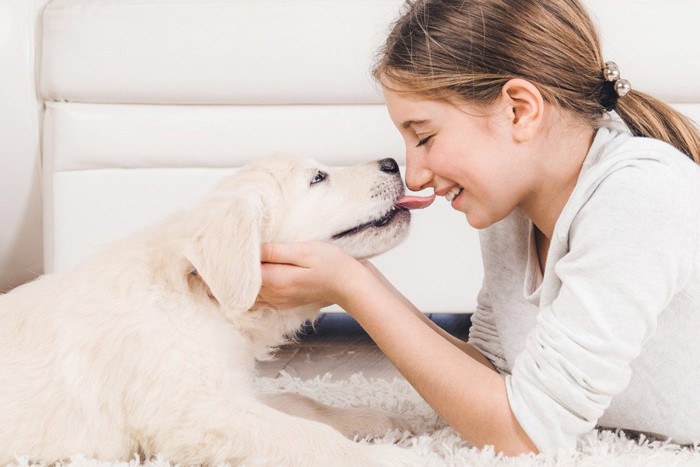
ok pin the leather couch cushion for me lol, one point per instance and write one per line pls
(214, 51)
(300, 51)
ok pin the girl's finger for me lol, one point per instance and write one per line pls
(283, 253)
(277, 275)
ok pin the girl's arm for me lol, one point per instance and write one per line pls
(463, 389)
(460, 344)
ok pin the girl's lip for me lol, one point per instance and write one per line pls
(454, 200)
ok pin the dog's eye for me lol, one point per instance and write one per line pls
(319, 177)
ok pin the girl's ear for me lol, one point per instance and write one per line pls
(527, 106)
(225, 251)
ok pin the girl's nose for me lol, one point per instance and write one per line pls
(418, 176)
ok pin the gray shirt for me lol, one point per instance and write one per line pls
(609, 335)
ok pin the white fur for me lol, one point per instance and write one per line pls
(132, 352)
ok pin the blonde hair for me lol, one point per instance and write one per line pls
(470, 48)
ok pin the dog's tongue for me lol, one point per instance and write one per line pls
(415, 202)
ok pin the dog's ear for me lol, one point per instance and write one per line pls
(225, 251)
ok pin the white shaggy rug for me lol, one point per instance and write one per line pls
(438, 445)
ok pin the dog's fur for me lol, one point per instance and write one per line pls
(150, 346)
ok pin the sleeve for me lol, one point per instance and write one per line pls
(627, 256)
(483, 334)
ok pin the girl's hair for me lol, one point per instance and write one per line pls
(471, 48)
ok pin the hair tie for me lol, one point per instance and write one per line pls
(613, 87)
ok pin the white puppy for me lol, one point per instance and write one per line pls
(150, 346)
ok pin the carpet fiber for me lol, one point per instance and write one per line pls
(438, 445)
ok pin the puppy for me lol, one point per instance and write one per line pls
(150, 346)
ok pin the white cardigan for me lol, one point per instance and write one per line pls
(608, 335)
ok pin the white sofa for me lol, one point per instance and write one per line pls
(116, 112)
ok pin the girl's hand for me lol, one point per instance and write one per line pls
(296, 274)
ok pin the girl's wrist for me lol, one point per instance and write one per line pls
(357, 286)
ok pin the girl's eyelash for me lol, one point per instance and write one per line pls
(424, 141)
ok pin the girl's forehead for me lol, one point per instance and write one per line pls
(410, 110)
(410, 103)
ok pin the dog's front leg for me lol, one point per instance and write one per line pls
(350, 422)
(254, 434)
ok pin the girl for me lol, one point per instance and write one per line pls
(587, 195)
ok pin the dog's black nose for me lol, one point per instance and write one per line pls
(388, 165)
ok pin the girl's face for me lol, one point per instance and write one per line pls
(465, 153)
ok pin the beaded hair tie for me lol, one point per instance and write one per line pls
(614, 87)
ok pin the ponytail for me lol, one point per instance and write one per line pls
(650, 117)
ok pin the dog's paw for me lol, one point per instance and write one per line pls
(368, 423)
(352, 422)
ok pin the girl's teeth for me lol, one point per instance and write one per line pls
(452, 194)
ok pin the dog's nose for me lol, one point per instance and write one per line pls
(388, 165)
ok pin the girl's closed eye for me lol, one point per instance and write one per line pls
(424, 141)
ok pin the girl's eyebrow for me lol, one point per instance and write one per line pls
(410, 123)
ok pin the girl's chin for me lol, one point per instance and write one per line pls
(484, 219)
(476, 219)
(477, 222)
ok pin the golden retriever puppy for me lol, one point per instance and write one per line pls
(150, 346)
